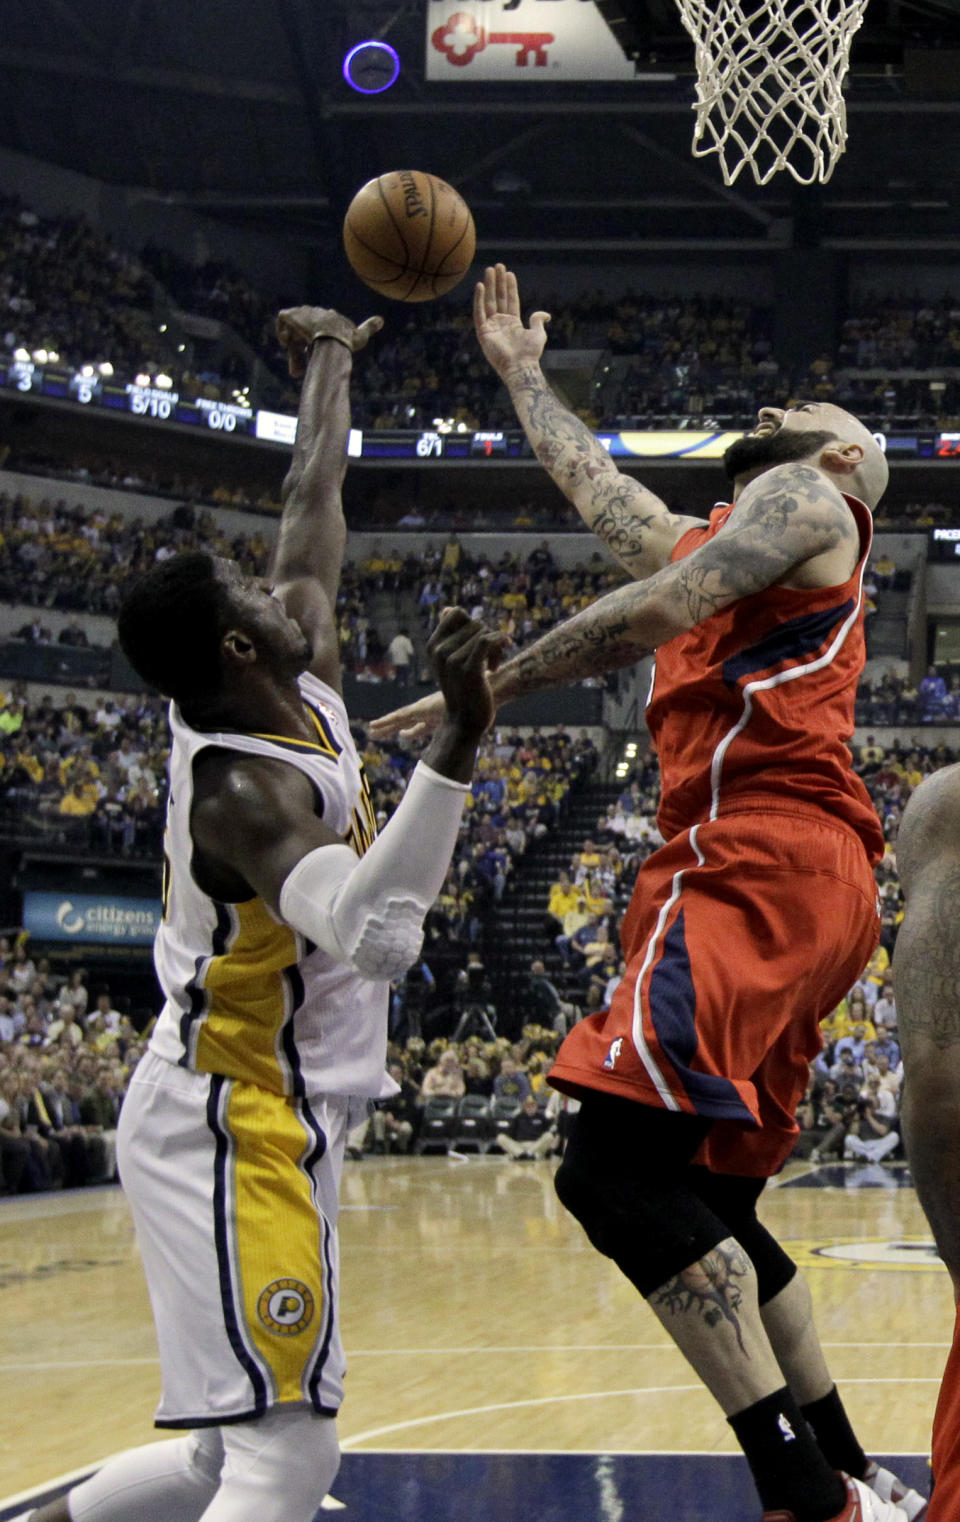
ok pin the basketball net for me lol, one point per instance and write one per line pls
(770, 79)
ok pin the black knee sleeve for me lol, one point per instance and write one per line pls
(734, 1200)
(623, 1177)
(650, 1231)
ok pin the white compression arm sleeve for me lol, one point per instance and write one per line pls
(369, 911)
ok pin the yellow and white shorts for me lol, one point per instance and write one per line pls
(233, 1191)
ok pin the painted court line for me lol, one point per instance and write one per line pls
(60, 1482)
(554, 1400)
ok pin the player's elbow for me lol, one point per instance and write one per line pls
(389, 942)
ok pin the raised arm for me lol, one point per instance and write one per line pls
(782, 521)
(308, 556)
(926, 971)
(254, 820)
(633, 523)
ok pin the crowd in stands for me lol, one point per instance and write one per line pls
(488, 1089)
(520, 598)
(88, 773)
(66, 1057)
(521, 790)
(67, 290)
(901, 333)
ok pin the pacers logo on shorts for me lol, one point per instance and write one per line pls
(285, 1307)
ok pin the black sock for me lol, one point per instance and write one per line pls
(834, 1434)
(788, 1468)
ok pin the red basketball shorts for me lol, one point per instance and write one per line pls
(742, 934)
(945, 1502)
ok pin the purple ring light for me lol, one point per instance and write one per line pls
(381, 64)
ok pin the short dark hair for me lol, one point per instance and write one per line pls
(170, 625)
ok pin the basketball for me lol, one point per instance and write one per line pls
(409, 235)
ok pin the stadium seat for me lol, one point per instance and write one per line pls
(438, 1125)
(475, 1128)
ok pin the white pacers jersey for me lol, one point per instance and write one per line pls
(247, 997)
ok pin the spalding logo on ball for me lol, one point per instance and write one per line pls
(409, 235)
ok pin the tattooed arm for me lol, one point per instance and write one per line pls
(784, 523)
(634, 524)
(926, 973)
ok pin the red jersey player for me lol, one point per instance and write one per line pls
(753, 919)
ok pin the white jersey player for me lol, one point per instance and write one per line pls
(284, 920)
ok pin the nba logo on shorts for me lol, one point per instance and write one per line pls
(610, 1060)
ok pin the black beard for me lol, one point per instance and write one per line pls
(765, 450)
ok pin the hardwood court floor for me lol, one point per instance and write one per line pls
(476, 1318)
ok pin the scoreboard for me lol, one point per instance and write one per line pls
(163, 405)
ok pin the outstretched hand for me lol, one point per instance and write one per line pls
(496, 315)
(463, 652)
(299, 327)
(414, 721)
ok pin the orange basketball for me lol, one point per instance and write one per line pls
(409, 235)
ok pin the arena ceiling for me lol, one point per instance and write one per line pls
(239, 109)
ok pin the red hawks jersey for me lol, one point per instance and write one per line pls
(753, 707)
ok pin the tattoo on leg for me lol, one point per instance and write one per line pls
(709, 1287)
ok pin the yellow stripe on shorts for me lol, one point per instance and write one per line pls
(280, 1239)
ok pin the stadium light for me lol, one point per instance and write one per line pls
(22, 355)
(106, 369)
(371, 67)
(162, 382)
(41, 356)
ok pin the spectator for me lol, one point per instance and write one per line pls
(933, 694)
(530, 1133)
(395, 1120)
(511, 1082)
(400, 653)
(544, 1001)
(445, 1080)
(873, 1135)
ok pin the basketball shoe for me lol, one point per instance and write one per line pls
(889, 1488)
(862, 1505)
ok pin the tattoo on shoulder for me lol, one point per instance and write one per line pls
(776, 499)
(779, 524)
(709, 1288)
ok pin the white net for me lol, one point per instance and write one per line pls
(770, 83)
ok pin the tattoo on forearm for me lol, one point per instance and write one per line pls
(596, 640)
(709, 1288)
(568, 450)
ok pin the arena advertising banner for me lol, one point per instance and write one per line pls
(521, 40)
(91, 919)
(677, 445)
